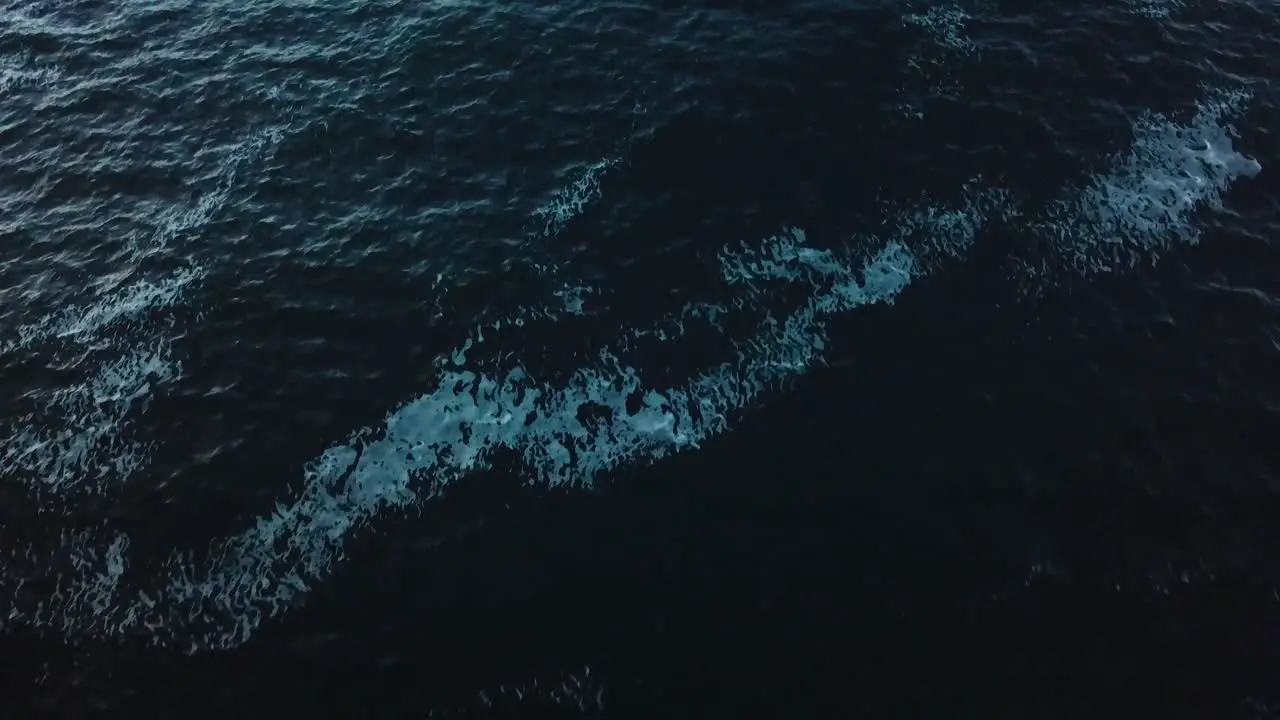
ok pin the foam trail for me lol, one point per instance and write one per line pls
(1148, 197)
(439, 437)
(457, 428)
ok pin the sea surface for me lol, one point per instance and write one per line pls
(643, 359)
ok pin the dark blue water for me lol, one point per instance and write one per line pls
(815, 359)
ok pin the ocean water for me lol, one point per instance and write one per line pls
(622, 359)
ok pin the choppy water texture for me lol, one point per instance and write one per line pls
(283, 285)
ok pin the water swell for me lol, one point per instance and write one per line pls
(477, 410)
(441, 436)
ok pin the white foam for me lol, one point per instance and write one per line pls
(456, 429)
(1148, 196)
(946, 25)
(470, 415)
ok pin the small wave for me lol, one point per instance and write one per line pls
(569, 201)
(82, 325)
(254, 148)
(1159, 9)
(76, 440)
(945, 27)
(17, 78)
(579, 690)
